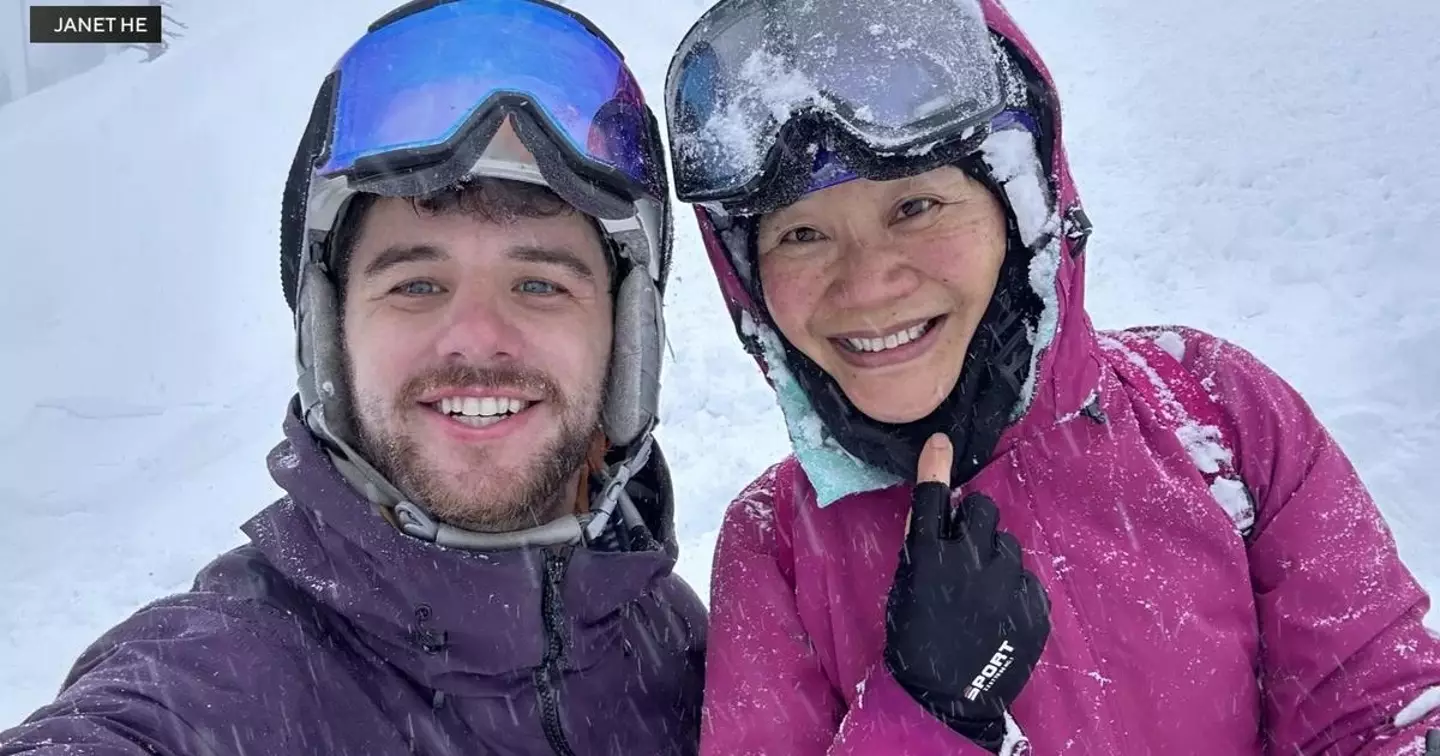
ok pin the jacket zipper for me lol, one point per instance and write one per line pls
(553, 611)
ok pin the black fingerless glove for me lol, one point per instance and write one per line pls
(965, 622)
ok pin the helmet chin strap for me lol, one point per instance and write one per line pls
(414, 520)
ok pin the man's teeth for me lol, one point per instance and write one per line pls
(888, 342)
(481, 410)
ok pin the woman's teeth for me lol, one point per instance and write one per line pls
(479, 411)
(891, 341)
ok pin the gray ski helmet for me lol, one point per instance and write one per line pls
(635, 218)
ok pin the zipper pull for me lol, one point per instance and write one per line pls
(431, 641)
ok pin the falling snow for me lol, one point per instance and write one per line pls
(1272, 240)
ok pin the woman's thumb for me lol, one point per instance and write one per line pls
(932, 488)
(935, 460)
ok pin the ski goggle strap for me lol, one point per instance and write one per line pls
(829, 169)
(413, 86)
(897, 75)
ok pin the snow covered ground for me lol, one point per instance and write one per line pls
(1267, 171)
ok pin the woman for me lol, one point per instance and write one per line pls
(1131, 542)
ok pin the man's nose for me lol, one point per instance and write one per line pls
(479, 328)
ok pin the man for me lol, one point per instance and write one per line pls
(474, 553)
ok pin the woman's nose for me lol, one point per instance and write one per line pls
(872, 274)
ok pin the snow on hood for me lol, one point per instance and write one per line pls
(1064, 372)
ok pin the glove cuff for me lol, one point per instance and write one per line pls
(983, 721)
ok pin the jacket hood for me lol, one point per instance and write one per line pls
(444, 615)
(1035, 174)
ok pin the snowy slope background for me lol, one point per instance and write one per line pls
(1267, 171)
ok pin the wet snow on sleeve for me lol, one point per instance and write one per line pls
(757, 499)
(1171, 342)
(1203, 443)
(1235, 500)
(1014, 738)
(1421, 707)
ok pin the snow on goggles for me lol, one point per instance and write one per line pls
(896, 76)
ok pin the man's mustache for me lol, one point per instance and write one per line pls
(457, 376)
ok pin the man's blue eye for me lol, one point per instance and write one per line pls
(417, 288)
(536, 286)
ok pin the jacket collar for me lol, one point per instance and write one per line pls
(442, 615)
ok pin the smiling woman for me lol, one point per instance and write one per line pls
(882, 283)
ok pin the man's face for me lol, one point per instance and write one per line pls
(478, 352)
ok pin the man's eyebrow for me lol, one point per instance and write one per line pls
(398, 254)
(560, 256)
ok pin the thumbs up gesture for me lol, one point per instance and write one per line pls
(965, 622)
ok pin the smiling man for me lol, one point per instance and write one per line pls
(475, 549)
(478, 330)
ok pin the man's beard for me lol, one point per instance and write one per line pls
(505, 500)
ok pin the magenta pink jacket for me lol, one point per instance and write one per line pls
(1172, 634)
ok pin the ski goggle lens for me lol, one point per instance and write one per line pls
(412, 86)
(897, 74)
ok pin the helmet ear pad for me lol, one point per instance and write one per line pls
(632, 395)
(326, 398)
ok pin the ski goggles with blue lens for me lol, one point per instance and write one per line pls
(417, 103)
(889, 79)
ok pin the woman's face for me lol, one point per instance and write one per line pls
(882, 283)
